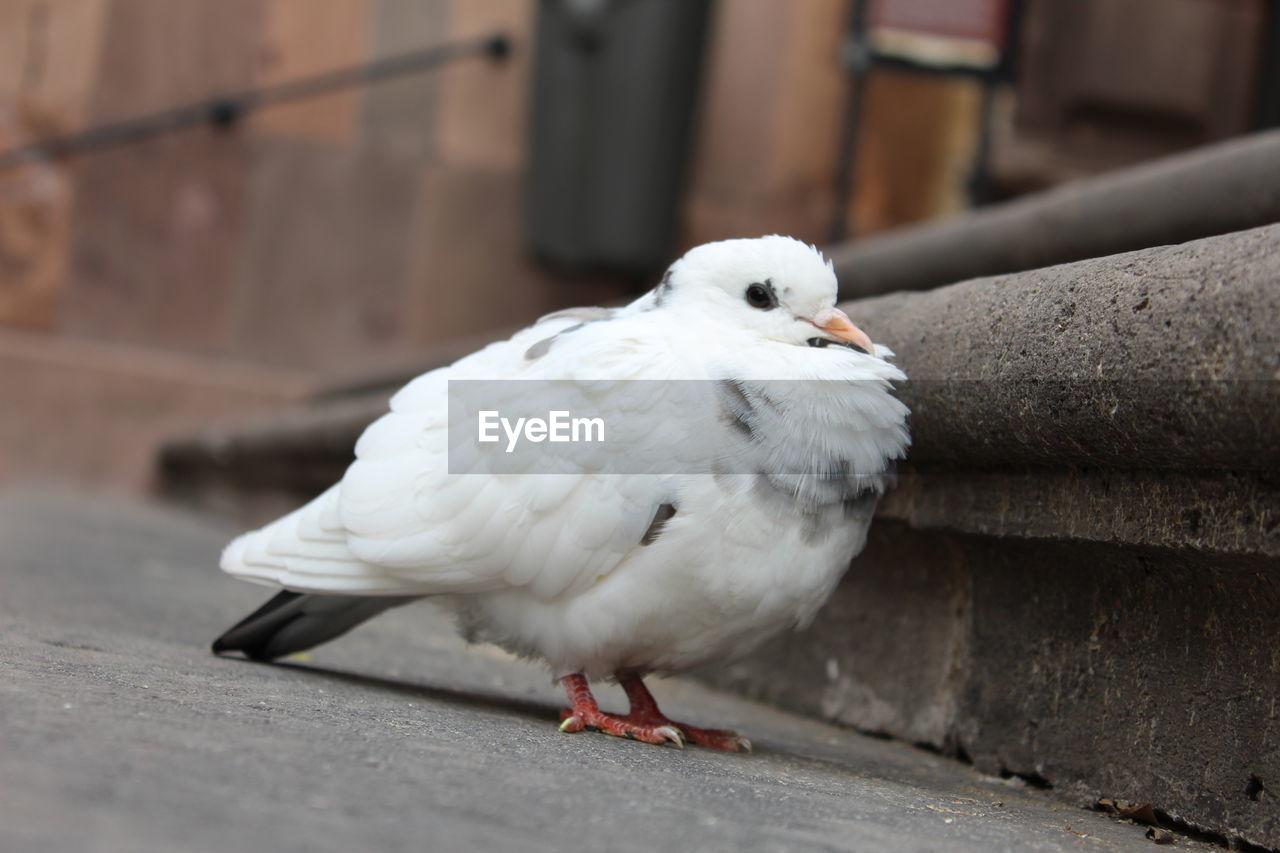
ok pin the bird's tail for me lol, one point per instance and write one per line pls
(294, 621)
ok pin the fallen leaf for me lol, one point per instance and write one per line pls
(1142, 814)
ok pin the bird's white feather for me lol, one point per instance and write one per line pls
(556, 566)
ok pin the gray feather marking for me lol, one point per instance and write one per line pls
(543, 346)
(585, 314)
(736, 409)
(660, 516)
(664, 287)
(820, 501)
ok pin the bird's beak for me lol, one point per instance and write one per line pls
(836, 323)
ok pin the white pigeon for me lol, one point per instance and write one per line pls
(599, 572)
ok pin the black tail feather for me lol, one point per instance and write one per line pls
(294, 621)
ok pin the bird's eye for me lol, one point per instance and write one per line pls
(762, 296)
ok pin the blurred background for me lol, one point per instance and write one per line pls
(240, 246)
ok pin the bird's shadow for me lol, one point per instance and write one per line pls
(478, 700)
(538, 712)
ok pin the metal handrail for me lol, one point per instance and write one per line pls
(224, 110)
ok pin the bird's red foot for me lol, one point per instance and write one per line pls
(725, 739)
(576, 721)
(645, 722)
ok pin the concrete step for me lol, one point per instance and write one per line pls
(121, 732)
(91, 413)
(1219, 188)
(1078, 577)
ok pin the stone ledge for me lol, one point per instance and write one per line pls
(1078, 579)
(1216, 189)
(1222, 512)
(1162, 358)
(1143, 674)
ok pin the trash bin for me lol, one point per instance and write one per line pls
(615, 86)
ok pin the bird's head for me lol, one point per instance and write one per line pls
(776, 287)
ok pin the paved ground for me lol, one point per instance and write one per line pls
(118, 731)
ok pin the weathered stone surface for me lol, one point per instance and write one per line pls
(1212, 190)
(1078, 580)
(1229, 512)
(1142, 674)
(1132, 398)
(1165, 358)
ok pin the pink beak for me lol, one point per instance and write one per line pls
(836, 323)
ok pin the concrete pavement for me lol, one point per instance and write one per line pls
(119, 731)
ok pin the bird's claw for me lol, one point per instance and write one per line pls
(724, 739)
(645, 722)
(672, 734)
(576, 721)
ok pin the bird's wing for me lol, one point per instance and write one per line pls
(400, 523)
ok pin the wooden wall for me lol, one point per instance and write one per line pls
(356, 227)
(352, 230)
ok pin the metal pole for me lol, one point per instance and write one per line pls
(856, 60)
